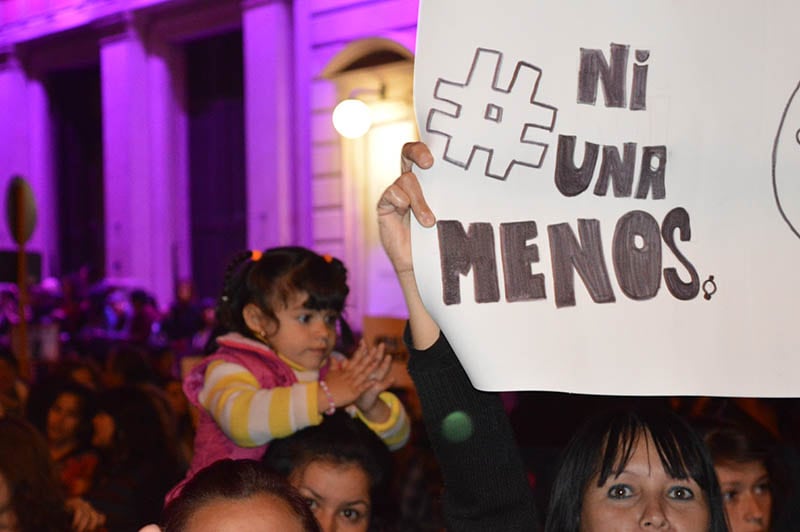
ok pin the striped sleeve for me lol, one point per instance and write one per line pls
(394, 431)
(250, 415)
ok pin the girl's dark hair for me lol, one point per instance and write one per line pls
(602, 449)
(731, 442)
(341, 440)
(270, 278)
(141, 434)
(233, 479)
(87, 408)
(36, 497)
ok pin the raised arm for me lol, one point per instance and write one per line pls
(398, 201)
(486, 486)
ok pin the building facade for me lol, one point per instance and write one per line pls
(161, 136)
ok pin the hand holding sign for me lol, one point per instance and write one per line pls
(398, 202)
(607, 220)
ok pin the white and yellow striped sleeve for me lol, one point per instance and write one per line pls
(250, 415)
(396, 430)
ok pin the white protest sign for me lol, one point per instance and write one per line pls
(617, 187)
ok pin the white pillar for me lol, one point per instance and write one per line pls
(13, 138)
(303, 176)
(42, 177)
(26, 151)
(268, 94)
(169, 198)
(139, 145)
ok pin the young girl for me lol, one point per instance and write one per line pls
(273, 373)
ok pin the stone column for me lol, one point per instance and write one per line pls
(14, 144)
(268, 78)
(26, 151)
(138, 141)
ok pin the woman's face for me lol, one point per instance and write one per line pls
(644, 496)
(746, 492)
(338, 494)
(262, 512)
(63, 419)
(104, 427)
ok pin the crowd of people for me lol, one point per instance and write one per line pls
(284, 422)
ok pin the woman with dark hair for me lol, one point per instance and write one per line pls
(69, 433)
(342, 469)
(138, 461)
(744, 461)
(31, 499)
(609, 464)
(624, 471)
(237, 495)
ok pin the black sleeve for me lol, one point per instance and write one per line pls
(486, 487)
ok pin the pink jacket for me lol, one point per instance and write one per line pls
(211, 443)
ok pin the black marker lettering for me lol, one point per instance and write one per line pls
(678, 218)
(461, 252)
(585, 256)
(638, 267)
(518, 255)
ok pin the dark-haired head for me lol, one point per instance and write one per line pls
(35, 500)
(234, 480)
(733, 442)
(72, 400)
(339, 440)
(752, 482)
(141, 434)
(270, 279)
(600, 452)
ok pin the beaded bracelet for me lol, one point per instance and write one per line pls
(331, 405)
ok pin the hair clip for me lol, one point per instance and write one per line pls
(327, 258)
(256, 255)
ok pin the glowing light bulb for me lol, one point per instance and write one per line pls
(352, 118)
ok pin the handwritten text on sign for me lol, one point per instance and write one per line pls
(602, 163)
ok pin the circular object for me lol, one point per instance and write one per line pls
(352, 118)
(457, 427)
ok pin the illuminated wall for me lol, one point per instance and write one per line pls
(294, 156)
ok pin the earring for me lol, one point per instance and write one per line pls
(262, 335)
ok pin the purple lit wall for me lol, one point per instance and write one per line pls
(296, 191)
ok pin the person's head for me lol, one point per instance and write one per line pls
(208, 312)
(342, 470)
(140, 299)
(85, 373)
(636, 469)
(126, 364)
(118, 303)
(184, 291)
(69, 418)
(743, 460)
(289, 298)
(128, 427)
(31, 499)
(233, 495)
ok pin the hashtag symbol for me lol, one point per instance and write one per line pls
(505, 120)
